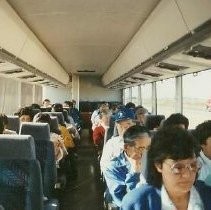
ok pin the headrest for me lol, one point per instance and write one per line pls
(39, 131)
(13, 123)
(59, 116)
(124, 114)
(54, 123)
(19, 147)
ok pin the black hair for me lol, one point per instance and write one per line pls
(176, 119)
(5, 120)
(134, 132)
(26, 111)
(1, 124)
(203, 132)
(130, 105)
(173, 143)
(69, 103)
(58, 107)
(45, 118)
(35, 106)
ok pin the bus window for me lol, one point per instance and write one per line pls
(166, 97)
(196, 93)
(126, 96)
(146, 94)
(135, 95)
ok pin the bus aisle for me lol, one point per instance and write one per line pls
(86, 192)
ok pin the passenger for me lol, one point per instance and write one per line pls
(95, 115)
(203, 137)
(99, 131)
(25, 114)
(73, 112)
(124, 172)
(4, 119)
(140, 115)
(59, 147)
(35, 106)
(130, 105)
(115, 145)
(172, 171)
(46, 103)
(176, 120)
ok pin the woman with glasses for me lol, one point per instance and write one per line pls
(172, 170)
(124, 172)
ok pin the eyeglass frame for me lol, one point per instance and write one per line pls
(184, 166)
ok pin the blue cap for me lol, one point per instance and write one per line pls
(124, 114)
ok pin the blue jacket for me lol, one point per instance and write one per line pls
(119, 178)
(149, 198)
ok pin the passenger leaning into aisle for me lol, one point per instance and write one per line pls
(114, 146)
(125, 171)
(172, 172)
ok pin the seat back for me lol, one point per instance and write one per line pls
(44, 153)
(20, 174)
(54, 123)
(65, 114)
(59, 116)
(153, 121)
(13, 123)
(35, 111)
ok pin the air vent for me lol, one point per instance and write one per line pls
(86, 71)
(151, 74)
(27, 77)
(200, 51)
(38, 80)
(43, 83)
(13, 71)
(138, 78)
(170, 66)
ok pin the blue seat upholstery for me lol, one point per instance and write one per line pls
(13, 123)
(44, 153)
(20, 175)
(54, 123)
(65, 114)
(59, 116)
(35, 111)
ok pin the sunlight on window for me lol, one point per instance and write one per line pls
(127, 95)
(166, 97)
(135, 95)
(197, 97)
(146, 94)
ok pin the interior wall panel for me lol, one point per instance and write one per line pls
(195, 12)
(26, 94)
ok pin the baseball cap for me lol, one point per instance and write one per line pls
(124, 114)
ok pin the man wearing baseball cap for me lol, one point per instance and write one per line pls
(114, 146)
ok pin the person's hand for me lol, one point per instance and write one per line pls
(135, 165)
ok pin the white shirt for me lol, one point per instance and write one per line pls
(195, 202)
(112, 149)
(204, 173)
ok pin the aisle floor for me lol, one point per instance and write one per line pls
(86, 192)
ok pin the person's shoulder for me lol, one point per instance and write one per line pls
(140, 194)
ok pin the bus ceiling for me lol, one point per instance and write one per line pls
(124, 42)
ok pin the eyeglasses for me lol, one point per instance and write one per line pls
(140, 149)
(180, 168)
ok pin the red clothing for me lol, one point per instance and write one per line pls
(98, 135)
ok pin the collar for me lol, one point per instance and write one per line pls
(205, 159)
(195, 202)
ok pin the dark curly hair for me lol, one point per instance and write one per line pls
(173, 143)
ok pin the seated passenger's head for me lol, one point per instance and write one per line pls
(140, 114)
(25, 114)
(203, 137)
(172, 160)
(46, 103)
(68, 104)
(176, 120)
(57, 107)
(136, 140)
(124, 119)
(35, 106)
(130, 105)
